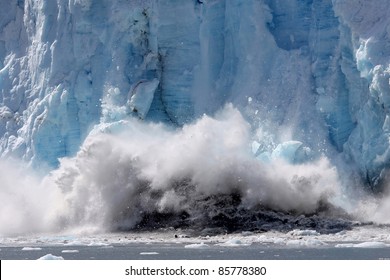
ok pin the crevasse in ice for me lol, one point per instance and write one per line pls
(310, 76)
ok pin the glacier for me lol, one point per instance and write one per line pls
(305, 81)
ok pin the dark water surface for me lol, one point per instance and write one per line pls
(171, 251)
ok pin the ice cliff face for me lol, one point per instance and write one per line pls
(310, 76)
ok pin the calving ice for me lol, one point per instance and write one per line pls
(218, 115)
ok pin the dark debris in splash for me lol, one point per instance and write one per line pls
(221, 214)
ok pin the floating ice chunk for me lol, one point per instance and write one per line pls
(371, 244)
(86, 243)
(93, 243)
(69, 251)
(275, 240)
(75, 243)
(234, 243)
(368, 244)
(344, 245)
(31, 249)
(141, 97)
(196, 246)
(311, 242)
(51, 257)
(149, 253)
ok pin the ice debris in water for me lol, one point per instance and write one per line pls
(310, 242)
(234, 243)
(70, 251)
(51, 257)
(371, 244)
(201, 245)
(367, 244)
(31, 249)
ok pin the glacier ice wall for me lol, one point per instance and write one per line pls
(311, 73)
(368, 144)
